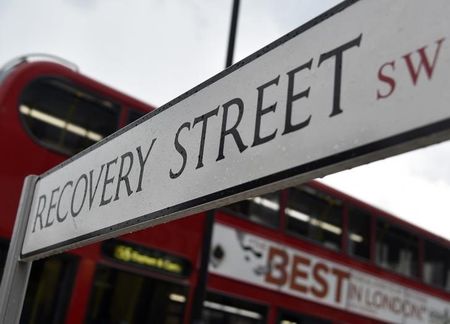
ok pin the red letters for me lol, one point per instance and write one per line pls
(429, 68)
(297, 272)
(278, 260)
(423, 62)
(321, 280)
(387, 79)
(340, 276)
(309, 277)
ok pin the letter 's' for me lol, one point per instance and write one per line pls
(180, 149)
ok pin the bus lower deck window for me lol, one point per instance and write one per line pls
(125, 297)
(287, 317)
(49, 290)
(226, 310)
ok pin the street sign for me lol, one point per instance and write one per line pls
(365, 80)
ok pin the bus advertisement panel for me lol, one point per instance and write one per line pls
(251, 259)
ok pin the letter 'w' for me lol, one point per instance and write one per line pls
(424, 62)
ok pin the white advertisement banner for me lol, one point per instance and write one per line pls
(254, 260)
(363, 81)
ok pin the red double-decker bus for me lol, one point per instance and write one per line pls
(306, 254)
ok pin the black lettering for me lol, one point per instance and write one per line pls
(142, 162)
(291, 97)
(204, 120)
(257, 139)
(58, 217)
(51, 206)
(72, 209)
(233, 130)
(107, 181)
(124, 177)
(338, 53)
(180, 149)
(42, 198)
(91, 181)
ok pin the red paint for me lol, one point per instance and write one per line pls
(415, 62)
(424, 61)
(389, 80)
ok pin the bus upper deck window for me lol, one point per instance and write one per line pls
(359, 232)
(397, 249)
(436, 265)
(263, 209)
(65, 118)
(134, 115)
(314, 215)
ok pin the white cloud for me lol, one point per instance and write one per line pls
(151, 50)
(263, 21)
(401, 185)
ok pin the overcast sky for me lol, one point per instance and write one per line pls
(157, 49)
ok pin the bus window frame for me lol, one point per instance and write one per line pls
(372, 239)
(105, 262)
(75, 84)
(65, 288)
(297, 241)
(282, 311)
(127, 113)
(291, 233)
(377, 214)
(242, 216)
(434, 286)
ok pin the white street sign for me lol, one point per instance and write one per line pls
(366, 80)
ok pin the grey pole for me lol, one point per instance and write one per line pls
(16, 272)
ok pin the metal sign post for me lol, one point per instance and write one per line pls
(16, 272)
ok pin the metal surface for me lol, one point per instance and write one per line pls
(202, 282)
(232, 35)
(16, 273)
